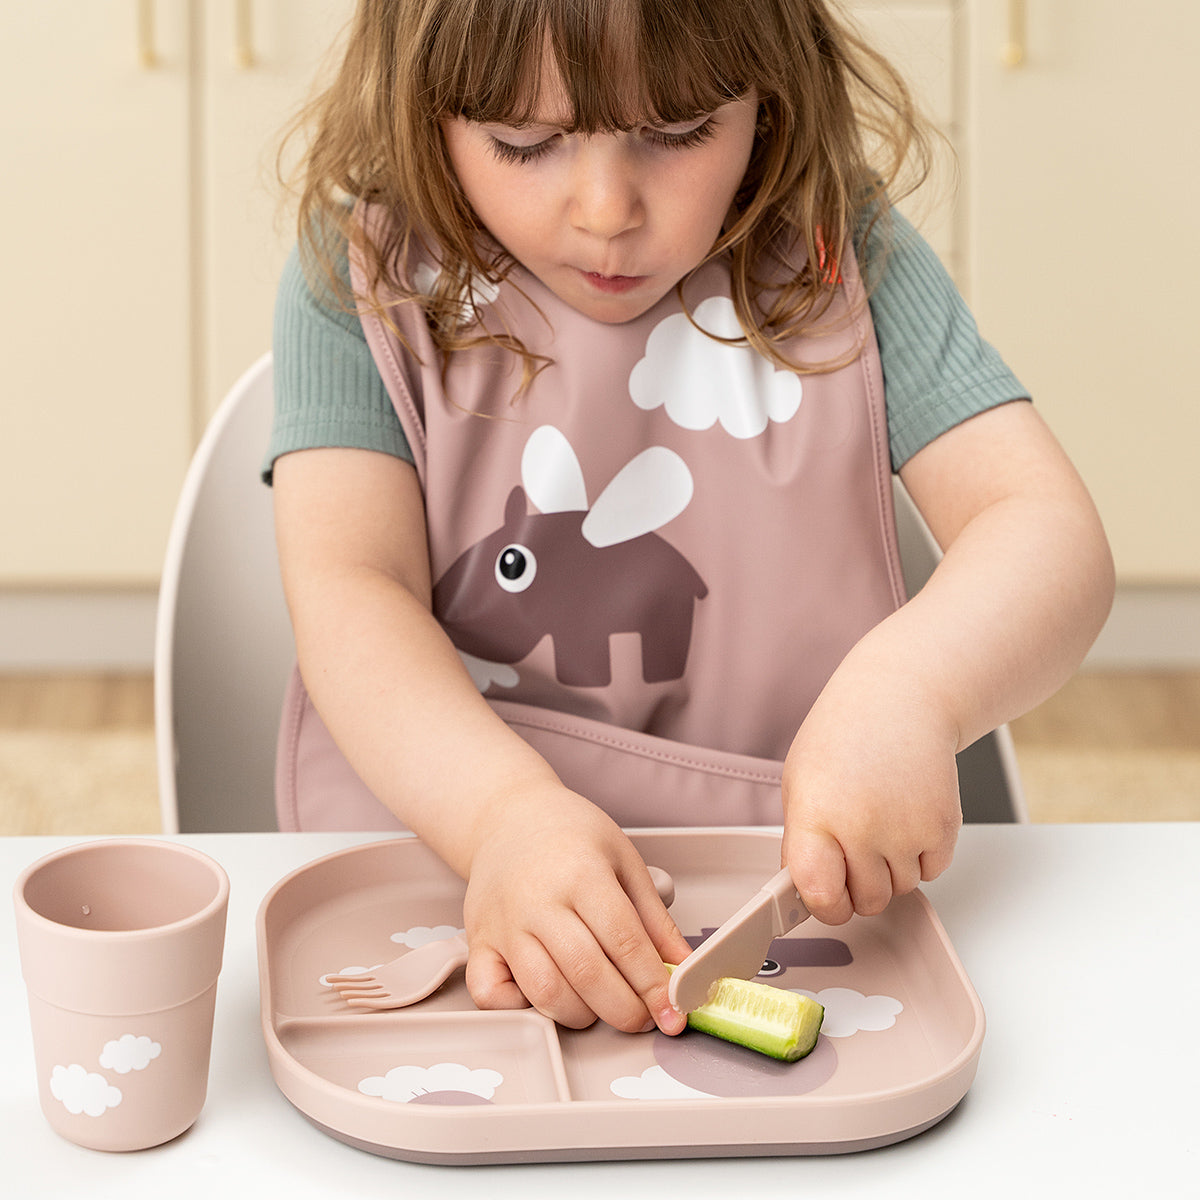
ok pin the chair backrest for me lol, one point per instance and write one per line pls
(223, 646)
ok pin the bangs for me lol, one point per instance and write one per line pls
(620, 62)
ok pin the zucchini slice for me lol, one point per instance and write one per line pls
(775, 1022)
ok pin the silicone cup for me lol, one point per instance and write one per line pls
(121, 943)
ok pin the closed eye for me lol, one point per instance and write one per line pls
(506, 152)
(680, 139)
(666, 137)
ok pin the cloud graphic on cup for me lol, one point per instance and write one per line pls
(848, 1012)
(129, 1053)
(82, 1091)
(654, 1084)
(701, 382)
(402, 1084)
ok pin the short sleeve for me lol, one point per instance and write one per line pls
(937, 369)
(328, 391)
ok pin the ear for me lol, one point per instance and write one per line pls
(646, 493)
(551, 472)
(514, 507)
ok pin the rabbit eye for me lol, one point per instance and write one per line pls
(515, 568)
(770, 968)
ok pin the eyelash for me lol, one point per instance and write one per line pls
(524, 155)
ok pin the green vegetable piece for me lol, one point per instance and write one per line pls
(774, 1022)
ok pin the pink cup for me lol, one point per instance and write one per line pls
(121, 943)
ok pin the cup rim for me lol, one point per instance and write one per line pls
(218, 902)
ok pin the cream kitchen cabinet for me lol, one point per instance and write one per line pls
(143, 249)
(141, 258)
(1070, 232)
(1084, 250)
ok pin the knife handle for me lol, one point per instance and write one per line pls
(787, 909)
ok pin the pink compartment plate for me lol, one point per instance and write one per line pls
(443, 1082)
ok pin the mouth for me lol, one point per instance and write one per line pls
(612, 284)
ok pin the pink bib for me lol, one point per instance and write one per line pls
(651, 560)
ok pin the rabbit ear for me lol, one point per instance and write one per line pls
(644, 495)
(551, 473)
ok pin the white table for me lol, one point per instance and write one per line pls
(1082, 941)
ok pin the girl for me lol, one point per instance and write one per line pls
(582, 484)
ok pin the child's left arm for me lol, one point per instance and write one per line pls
(870, 788)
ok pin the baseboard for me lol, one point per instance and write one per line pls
(1151, 628)
(77, 631)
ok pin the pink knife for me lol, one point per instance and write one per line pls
(739, 947)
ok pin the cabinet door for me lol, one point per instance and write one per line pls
(95, 309)
(920, 39)
(1085, 251)
(261, 61)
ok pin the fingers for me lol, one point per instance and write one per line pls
(836, 883)
(606, 961)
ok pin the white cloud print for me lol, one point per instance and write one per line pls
(701, 381)
(402, 1084)
(654, 1084)
(847, 1011)
(82, 1091)
(422, 935)
(129, 1053)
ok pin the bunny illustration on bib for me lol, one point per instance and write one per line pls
(578, 574)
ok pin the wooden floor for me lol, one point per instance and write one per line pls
(1147, 718)
(1137, 710)
(77, 703)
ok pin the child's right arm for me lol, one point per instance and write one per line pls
(560, 910)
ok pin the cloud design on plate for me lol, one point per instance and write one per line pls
(484, 674)
(847, 1011)
(422, 935)
(402, 1084)
(654, 1084)
(701, 381)
(82, 1091)
(324, 980)
(129, 1053)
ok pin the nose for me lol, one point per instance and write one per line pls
(606, 194)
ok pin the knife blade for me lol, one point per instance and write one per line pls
(740, 945)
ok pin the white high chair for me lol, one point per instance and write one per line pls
(224, 648)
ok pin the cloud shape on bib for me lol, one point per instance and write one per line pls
(701, 382)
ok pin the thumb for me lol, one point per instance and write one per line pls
(490, 982)
(818, 866)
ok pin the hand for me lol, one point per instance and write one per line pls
(562, 914)
(870, 794)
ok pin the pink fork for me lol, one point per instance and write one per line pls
(420, 972)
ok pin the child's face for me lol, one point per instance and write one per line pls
(612, 221)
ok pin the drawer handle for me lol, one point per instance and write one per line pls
(147, 54)
(243, 33)
(1013, 53)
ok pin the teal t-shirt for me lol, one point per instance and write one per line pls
(937, 369)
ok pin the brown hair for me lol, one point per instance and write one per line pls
(836, 128)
